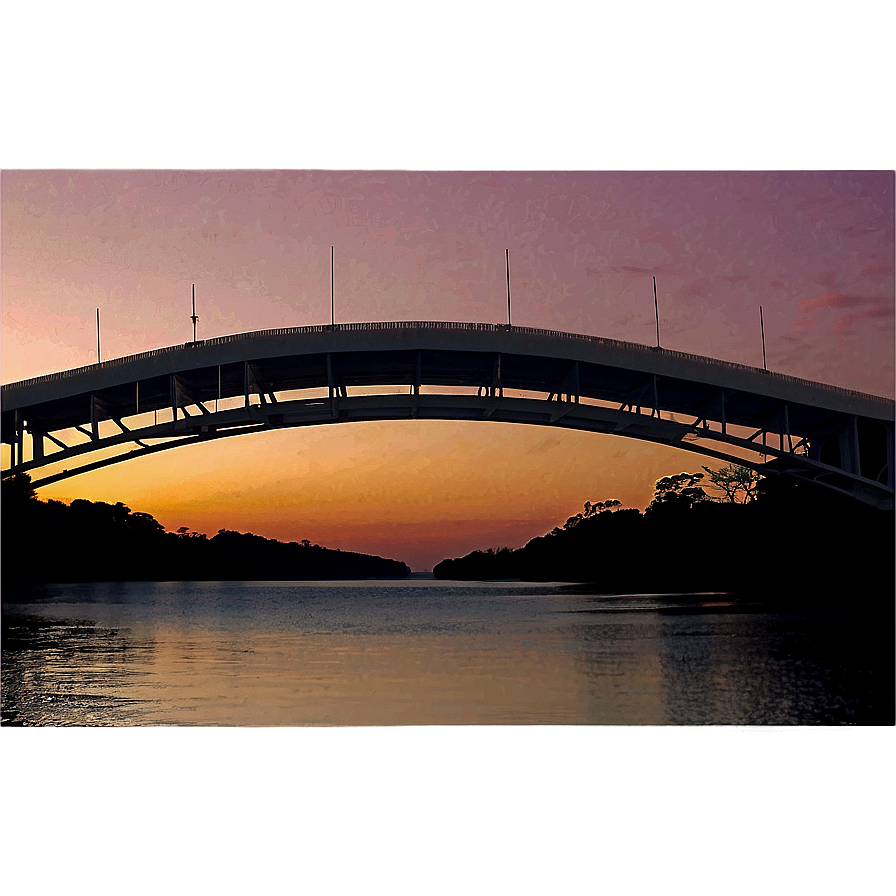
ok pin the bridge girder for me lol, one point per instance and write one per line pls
(840, 440)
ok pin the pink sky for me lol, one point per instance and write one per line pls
(815, 249)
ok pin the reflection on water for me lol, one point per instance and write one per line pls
(420, 653)
(68, 671)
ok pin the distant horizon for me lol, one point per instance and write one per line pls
(414, 571)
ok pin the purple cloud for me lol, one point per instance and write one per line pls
(833, 299)
(878, 269)
(855, 309)
(881, 308)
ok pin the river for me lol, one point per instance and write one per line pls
(425, 652)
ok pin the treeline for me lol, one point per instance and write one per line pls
(50, 541)
(775, 535)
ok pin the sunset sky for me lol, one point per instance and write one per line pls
(815, 249)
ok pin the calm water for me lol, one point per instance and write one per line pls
(422, 653)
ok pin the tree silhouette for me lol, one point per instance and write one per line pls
(735, 480)
(680, 491)
(17, 490)
(96, 541)
(591, 510)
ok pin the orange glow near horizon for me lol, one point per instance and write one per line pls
(417, 491)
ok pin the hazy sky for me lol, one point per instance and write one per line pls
(815, 249)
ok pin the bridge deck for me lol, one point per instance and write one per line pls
(842, 429)
(433, 335)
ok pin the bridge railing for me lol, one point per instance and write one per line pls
(440, 325)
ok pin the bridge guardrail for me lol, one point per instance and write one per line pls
(440, 325)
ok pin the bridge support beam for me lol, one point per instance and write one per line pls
(16, 453)
(636, 397)
(94, 418)
(334, 389)
(850, 459)
(418, 377)
(568, 390)
(37, 445)
(258, 385)
(891, 474)
(55, 441)
(566, 414)
(814, 430)
(497, 389)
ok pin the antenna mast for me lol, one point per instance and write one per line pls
(507, 261)
(762, 330)
(193, 315)
(656, 310)
(99, 357)
(332, 290)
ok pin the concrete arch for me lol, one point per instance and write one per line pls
(451, 371)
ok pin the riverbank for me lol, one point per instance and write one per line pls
(92, 541)
(790, 540)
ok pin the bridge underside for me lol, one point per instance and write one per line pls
(56, 438)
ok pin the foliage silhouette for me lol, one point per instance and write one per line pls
(733, 480)
(679, 492)
(94, 541)
(792, 540)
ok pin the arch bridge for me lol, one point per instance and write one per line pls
(67, 423)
